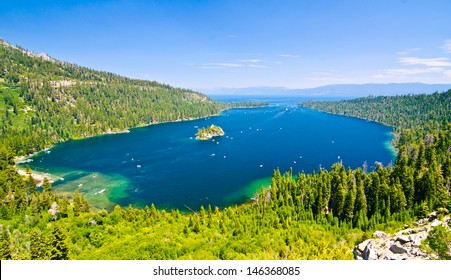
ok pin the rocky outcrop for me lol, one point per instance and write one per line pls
(209, 132)
(42, 56)
(404, 245)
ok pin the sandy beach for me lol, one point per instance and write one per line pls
(39, 178)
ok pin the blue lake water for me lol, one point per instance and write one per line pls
(164, 164)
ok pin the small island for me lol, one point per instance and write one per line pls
(209, 132)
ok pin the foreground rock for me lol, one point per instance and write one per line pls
(404, 245)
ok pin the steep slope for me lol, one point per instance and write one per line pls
(44, 101)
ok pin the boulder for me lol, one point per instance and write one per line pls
(435, 223)
(404, 238)
(422, 222)
(358, 250)
(397, 248)
(384, 254)
(405, 245)
(369, 253)
(380, 234)
(403, 232)
(432, 216)
(417, 230)
(416, 241)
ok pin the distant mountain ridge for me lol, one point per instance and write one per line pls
(351, 90)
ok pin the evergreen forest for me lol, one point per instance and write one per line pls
(320, 215)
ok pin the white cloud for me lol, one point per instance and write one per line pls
(430, 62)
(413, 71)
(408, 51)
(328, 79)
(232, 65)
(289, 55)
(256, 66)
(380, 76)
(404, 73)
(211, 67)
(447, 46)
(436, 69)
(250, 60)
(224, 65)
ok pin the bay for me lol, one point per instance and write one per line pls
(165, 165)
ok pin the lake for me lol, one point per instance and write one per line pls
(164, 164)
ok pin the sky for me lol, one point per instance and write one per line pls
(242, 43)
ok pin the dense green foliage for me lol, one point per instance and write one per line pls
(439, 242)
(302, 216)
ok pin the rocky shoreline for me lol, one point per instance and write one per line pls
(404, 245)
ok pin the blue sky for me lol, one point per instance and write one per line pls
(239, 43)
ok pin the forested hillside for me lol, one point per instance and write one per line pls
(422, 126)
(45, 101)
(321, 215)
(414, 117)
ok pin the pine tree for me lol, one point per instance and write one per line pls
(339, 201)
(348, 207)
(59, 250)
(38, 249)
(80, 204)
(30, 185)
(5, 245)
(46, 186)
(28, 170)
(360, 200)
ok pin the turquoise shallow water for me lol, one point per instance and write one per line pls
(164, 164)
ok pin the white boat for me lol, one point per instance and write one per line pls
(101, 191)
(139, 166)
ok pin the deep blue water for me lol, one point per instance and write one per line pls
(164, 164)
